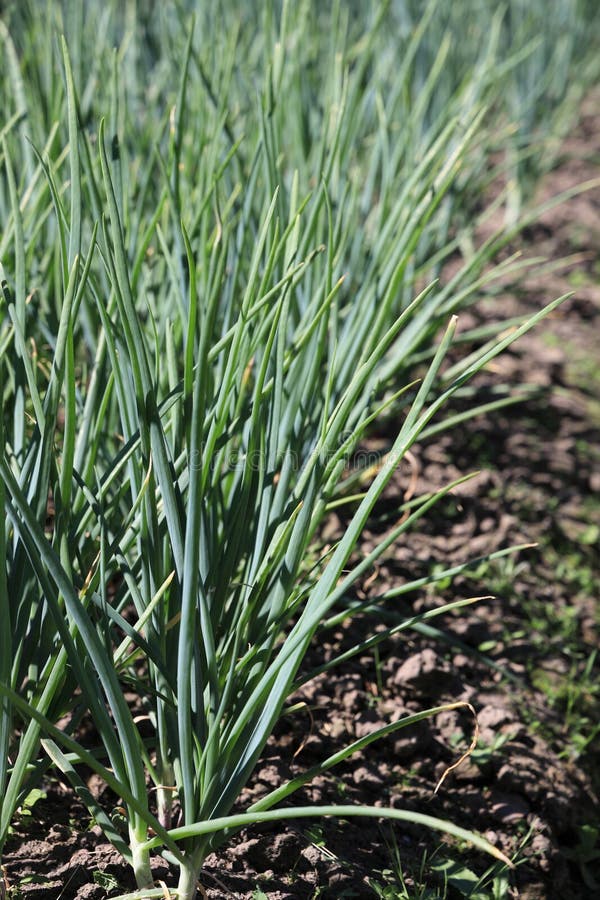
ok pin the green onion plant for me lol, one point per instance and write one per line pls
(223, 253)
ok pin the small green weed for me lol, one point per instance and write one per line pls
(586, 855)
(437, 877)
(258, 894)
(25, 810)
(105, 880)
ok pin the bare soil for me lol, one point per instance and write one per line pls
(532, 784)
